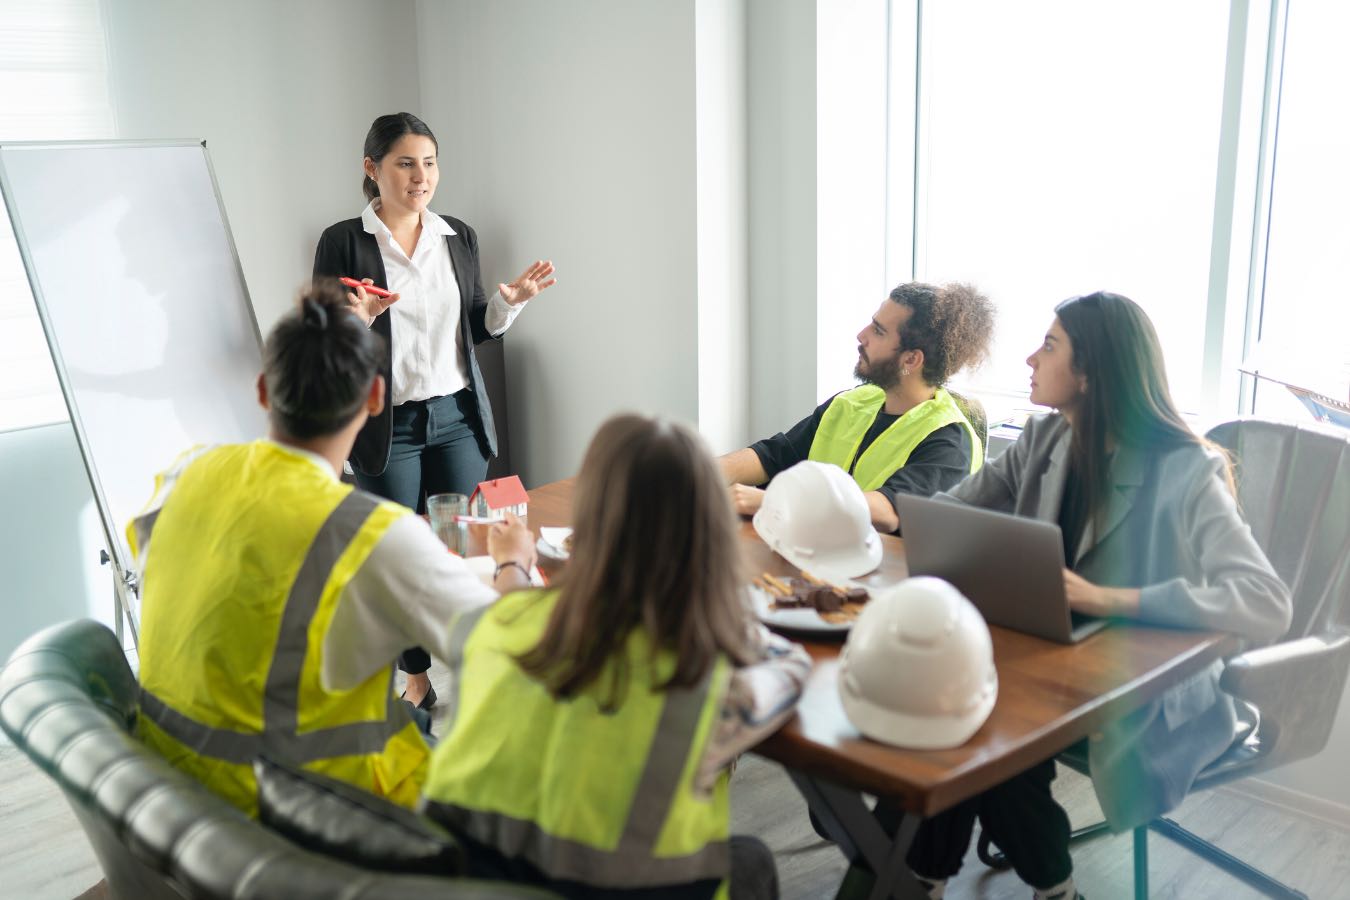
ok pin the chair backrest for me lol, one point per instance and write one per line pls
(68, 700)
(973, 410)
(1294, 490)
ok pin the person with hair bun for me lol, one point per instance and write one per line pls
(901, 431)
(274, 597)
(435, 433)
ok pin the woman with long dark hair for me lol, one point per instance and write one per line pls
(1152, 533)
(595, 722)
(436, 432)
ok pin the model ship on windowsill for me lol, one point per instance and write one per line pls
(1317, 381)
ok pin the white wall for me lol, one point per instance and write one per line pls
(781, 80)
(567, 131)
(851, 178)
(817, 83)
(721, 228)
(284, 109)
(283, 94)
(50, 536)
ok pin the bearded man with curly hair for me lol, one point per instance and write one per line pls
(901, 431)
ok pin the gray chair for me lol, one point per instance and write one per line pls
(973, 410)
(68, 700)
(1294, 490)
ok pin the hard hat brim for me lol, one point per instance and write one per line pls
(914, 732)
(835, 567)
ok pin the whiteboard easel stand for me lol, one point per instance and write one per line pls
(125, 586)
(126, 580)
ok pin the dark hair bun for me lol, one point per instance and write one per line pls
(313, 314)
(320, 361)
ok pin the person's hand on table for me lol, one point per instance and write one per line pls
(1095, 600)
(534, 279)
(368, 306)
(746, 499)
(511, 546)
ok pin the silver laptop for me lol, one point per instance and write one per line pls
(1010, 567)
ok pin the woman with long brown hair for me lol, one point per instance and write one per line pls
(1151, 533)
(595, 722)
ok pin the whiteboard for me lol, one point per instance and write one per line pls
(143, 302)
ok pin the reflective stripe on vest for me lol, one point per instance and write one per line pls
(138, 532)
(633, 862)
(280, 735)
(461, 626)
(850, 415)
(246, 557)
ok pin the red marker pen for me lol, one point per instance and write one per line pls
(370, 288)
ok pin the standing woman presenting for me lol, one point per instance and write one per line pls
(436, 432)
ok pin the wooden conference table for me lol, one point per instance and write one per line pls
(1050, 696)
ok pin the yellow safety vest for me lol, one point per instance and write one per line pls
(851, 414)
(251, 550)
(603, 798)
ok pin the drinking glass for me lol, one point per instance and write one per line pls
(446, 512)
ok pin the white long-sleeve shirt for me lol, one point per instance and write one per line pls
(410, 588)
(403, 595)
(428, 354)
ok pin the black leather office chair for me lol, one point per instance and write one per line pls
(68, 700)
(1294, 490)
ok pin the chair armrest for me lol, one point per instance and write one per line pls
(1297, 686)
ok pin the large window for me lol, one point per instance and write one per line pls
(53, 86)
(1304, 324)
(1067, 147)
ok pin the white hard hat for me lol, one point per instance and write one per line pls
(918, 667)
(816, 517)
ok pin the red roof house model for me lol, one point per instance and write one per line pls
(501, 493)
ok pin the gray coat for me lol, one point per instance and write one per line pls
(1173, 530)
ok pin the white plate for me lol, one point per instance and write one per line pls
(803, 620)
(551, 541)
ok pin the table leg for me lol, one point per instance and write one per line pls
(895, 877)
(861, 838)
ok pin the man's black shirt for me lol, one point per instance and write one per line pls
(937, 464)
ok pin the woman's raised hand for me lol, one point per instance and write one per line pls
(534, 279)
(368, 306)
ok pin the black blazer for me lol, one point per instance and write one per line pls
(348, 249)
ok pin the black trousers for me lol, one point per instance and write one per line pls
(435, 450)
(1020, 816)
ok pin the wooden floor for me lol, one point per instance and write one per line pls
(1306, 853)
(44, 854)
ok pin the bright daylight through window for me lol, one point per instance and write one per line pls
(1070, 147)
(54, 81)
(1304, 316)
